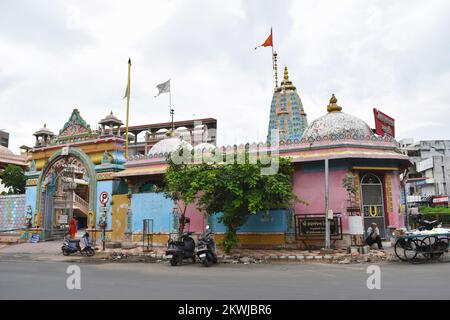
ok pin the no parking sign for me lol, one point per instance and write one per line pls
(104, 198)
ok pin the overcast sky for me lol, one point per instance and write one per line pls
(58, 55)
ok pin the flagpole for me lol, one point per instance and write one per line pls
(274, 66)
(170, 104)
(128, 109)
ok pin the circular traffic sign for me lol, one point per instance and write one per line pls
(104, 198)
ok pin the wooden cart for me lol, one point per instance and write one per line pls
(419, 246)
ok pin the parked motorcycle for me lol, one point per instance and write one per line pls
(73, 245)
(206, 248)
(179, 250)
(427, 224)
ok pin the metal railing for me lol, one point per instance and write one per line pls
(80, 203)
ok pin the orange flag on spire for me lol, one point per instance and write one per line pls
(268, 42)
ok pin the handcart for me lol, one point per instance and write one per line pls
(421, 246)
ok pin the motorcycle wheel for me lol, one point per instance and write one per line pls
(205, 262)
(173, 262)
(65, 252)
(89, 252)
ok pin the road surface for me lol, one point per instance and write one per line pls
(23, 279)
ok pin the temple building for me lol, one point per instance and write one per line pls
(84, 173)
(69, 171)
(372, 162)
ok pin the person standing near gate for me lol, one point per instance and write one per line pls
(73, 227)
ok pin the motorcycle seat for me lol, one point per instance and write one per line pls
(74, 240)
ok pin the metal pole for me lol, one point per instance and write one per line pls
(72, 190)
(408, 227)
(327, 222)
(128, 108)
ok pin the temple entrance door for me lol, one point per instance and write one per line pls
(373, 202)
(66, 194)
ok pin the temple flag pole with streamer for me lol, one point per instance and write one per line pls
(269, 43)
(165, 88)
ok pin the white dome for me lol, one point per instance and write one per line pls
(204, 146)
(337, 124)
(169, 145)
(5, 151)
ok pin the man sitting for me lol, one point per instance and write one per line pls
(374, 236)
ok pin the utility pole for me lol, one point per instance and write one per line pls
(327, 207)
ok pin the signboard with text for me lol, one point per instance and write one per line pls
(384, 125)
(314, 227)
(440, 200)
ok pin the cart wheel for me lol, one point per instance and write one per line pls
(173, 262)
(399, 247)
(410, 251)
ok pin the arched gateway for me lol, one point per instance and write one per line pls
(66, 187)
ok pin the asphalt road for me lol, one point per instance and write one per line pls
(47, 280)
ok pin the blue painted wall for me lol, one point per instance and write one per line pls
(102, 186)
(30, 198)
(275, 221)
(151, 206)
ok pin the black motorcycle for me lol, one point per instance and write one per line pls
(206, 248)
(179, 250)
(73, 245)
(427, 224)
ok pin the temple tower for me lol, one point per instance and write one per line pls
(286, 112)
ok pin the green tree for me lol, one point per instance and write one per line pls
(13, 177)
(180, 187)
(239, 189)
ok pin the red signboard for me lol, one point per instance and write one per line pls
(104, 198)
(440, 200)
(384, 125)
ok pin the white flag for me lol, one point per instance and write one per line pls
(163, 87)
(126, 93)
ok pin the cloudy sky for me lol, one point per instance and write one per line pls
(58, 55)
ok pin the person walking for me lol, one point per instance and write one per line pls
(73, 227)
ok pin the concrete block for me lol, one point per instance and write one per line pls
(318, 257)
(291, 257)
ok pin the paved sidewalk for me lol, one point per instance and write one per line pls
(51, 250)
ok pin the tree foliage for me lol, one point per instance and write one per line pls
(180, 187)
(234, 189)
(13, 177)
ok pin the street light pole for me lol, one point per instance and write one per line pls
(327, 222)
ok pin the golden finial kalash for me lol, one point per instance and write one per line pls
(333, 107)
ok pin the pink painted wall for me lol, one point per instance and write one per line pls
(198, 221)
(310, 186)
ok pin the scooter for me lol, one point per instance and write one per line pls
(179, 250)
(73, 245)
(427, 224)
(206, 248)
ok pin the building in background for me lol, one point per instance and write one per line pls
(143, 137)
(429, 175)
(4, 138)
